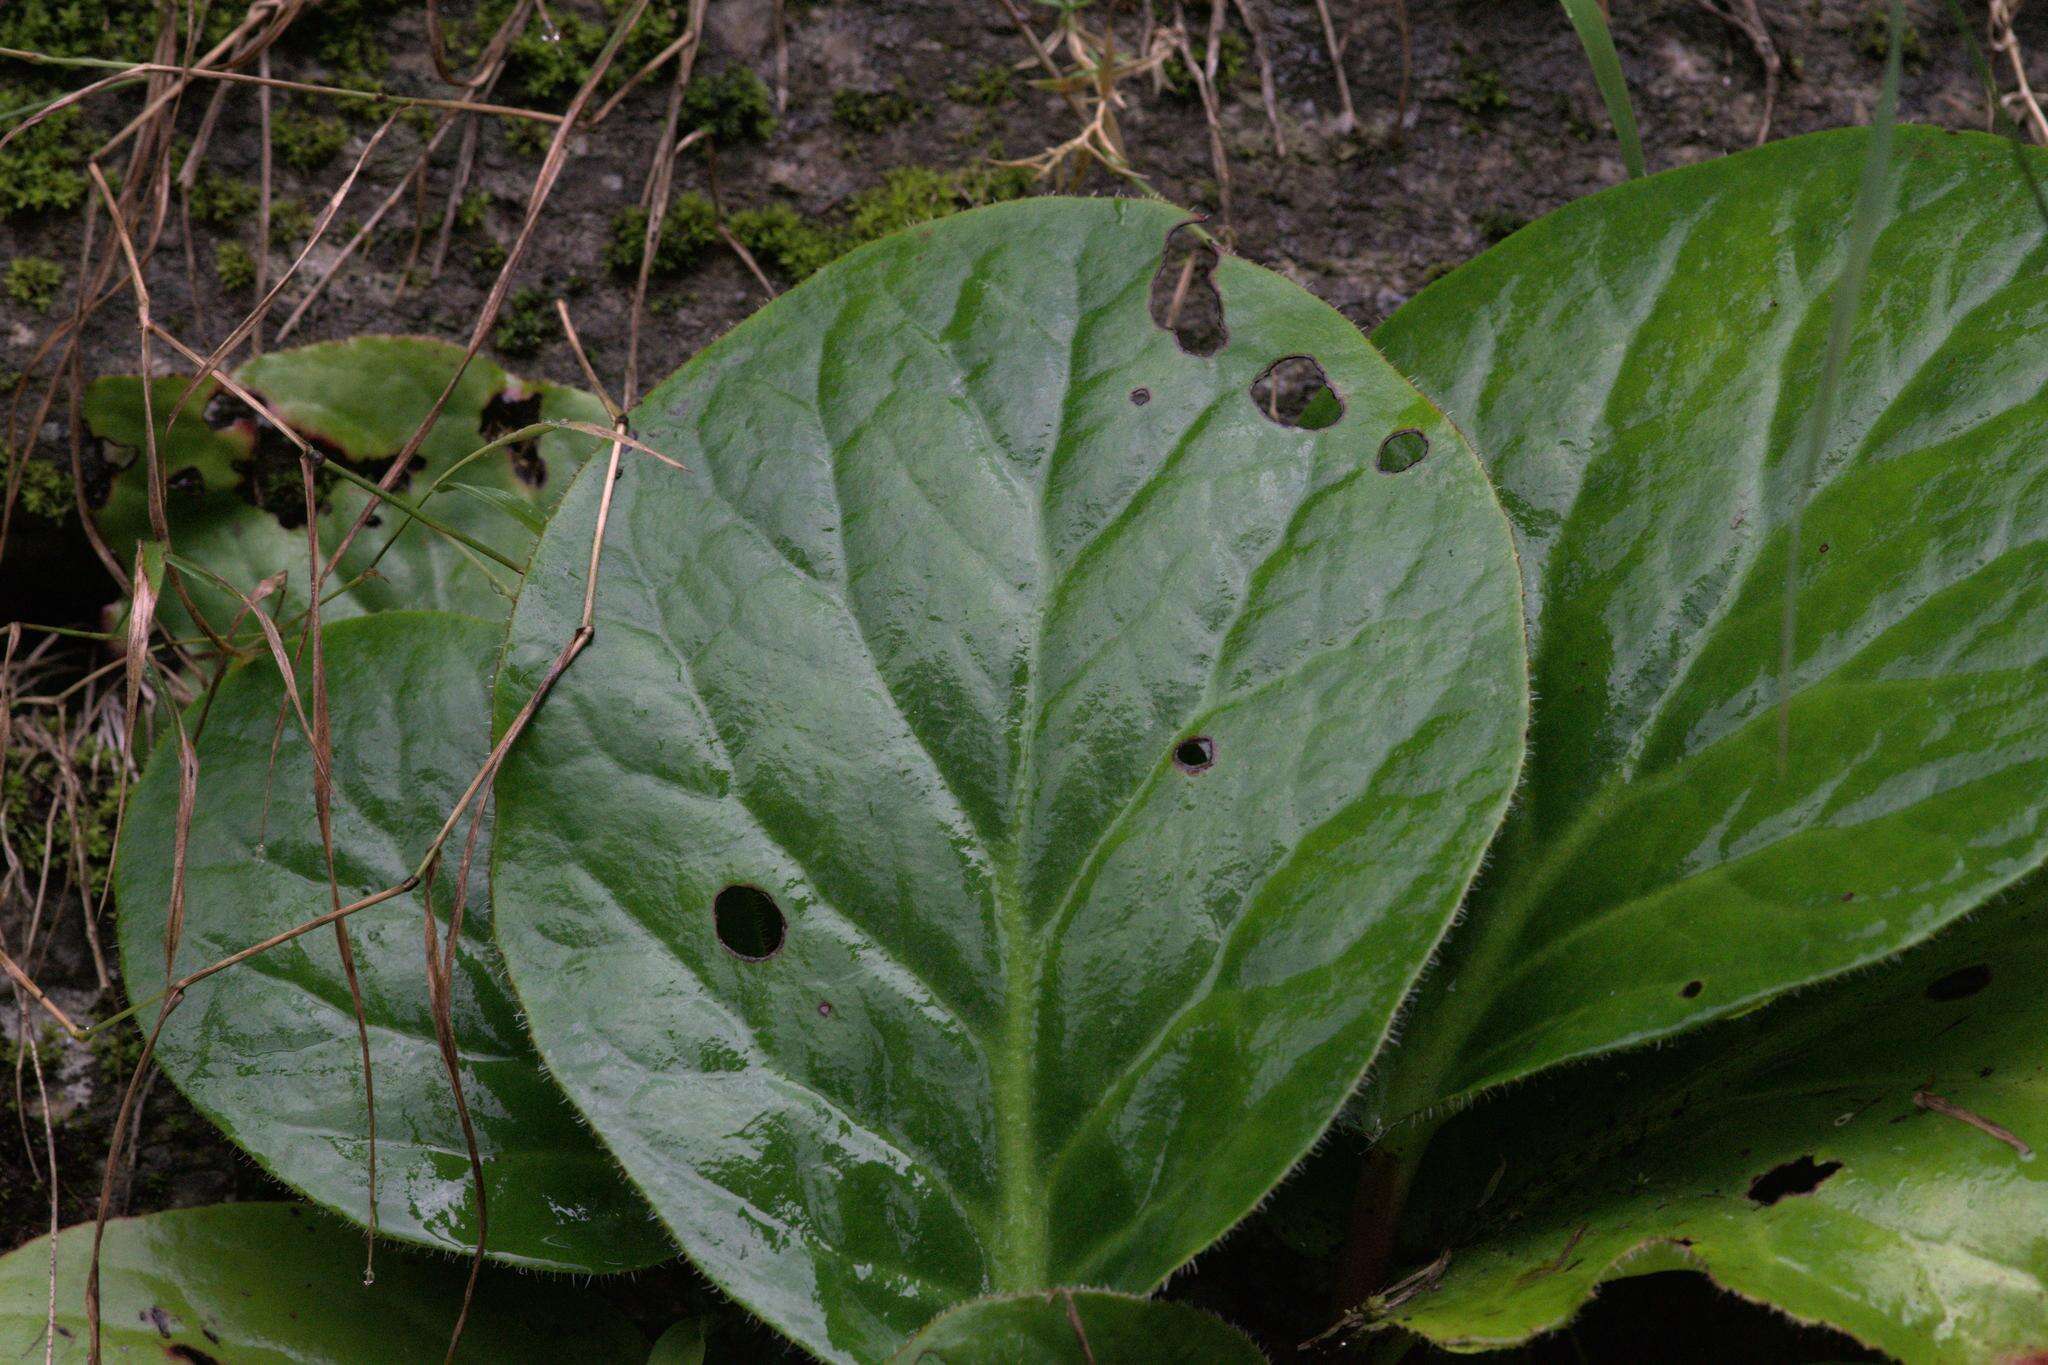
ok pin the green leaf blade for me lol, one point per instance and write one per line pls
(253, 1284)
(1785, 1155)
(269, 1049)
(360, 399)
(966, 549)
(1077, 1327)
(1638, 371)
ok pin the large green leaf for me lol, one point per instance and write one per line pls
(360, 400)
(269, 1049)
(1923, 1235)
(1636, 370)
(1077, 1327)
(966, 551)
(277, 1284)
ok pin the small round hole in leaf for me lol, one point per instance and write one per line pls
(1195, 754)
(1141, 396)
(1691, 989)
(1403, 450)
(1294, 391)
(750, 923)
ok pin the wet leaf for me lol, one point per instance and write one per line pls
(1636, 370)
(1825, 1155)
(1078, 764)
(242, 1284)
(269, 1049)
(1077, 1327)
(236, 501)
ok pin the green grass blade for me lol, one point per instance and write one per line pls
(1841, 328)
(1591, 23)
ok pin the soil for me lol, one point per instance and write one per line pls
(1503, 124)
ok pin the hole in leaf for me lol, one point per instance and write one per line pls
(1402, 450)
(824, 1009)
(1961, 983)
(1782, 1181)
(1691, 989)
(750, 923)
(1293, 391)
(508, 411)
(1195, 754)
(186, 480)
(1141, 396)
(1184, 297)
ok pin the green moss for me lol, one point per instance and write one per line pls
(33, 281)
(734, 105)
(1875, 37)
(40, 169)
(233, 266)
(290, 222)
(1484, 91)
(473, 211)
(919, 194)
(796, 248)
(690, 226)
(874, 111)
(306, 142)
(219, 201)
(986, 88)
(34, 783)
(1233, 53)
(523, 137)
(526, 324)
(786, 242)
(45, 491)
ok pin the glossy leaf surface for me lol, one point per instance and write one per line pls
(1077, 1327)
(359, 401)
(1113, 753)
(279, 1284)
(1636, 370)
(1786, 1155)
(269, 1049)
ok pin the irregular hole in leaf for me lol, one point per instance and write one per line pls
(1194, 754)
(1692, 989)
(1184, 297)
(270, 476)
(750, 924)
(186, 480)
(509, 410)
(1141, 396)
(1801, 1176)
(1961, 983)
(1402, 450)
(1294, 391)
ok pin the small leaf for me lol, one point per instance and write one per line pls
(240, 1283)
(268, 1049)
(1640, 369)
(1832, 1154)
(1013, 780)
(681, 1344)
(1077, 1327)
(358, 401)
